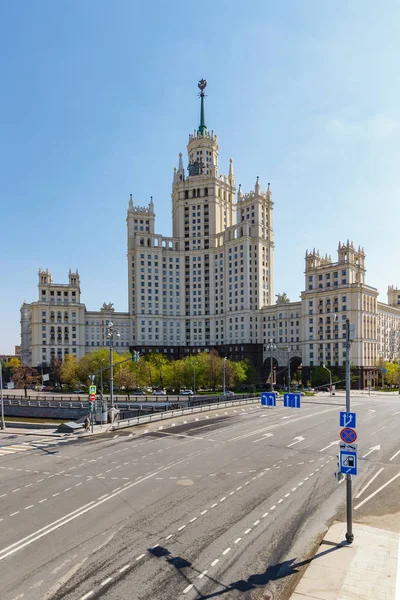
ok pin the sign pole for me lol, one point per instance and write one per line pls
(349, 494)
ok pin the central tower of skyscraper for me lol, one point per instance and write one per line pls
(204, 286)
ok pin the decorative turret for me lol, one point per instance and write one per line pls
(240, 193)
(73, 278)
(45, 277)
(257, 187)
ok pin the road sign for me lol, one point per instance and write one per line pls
(92, 389)
(347, 419)
(268, 399)
(348, 463)
(92, 397)
(348, 435)
(384, 370)
(348, 447)
(368, 382)
(291, 400)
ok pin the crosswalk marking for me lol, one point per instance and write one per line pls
(33, 445)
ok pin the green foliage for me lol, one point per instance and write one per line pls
(320, 376)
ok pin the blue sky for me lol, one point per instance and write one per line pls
(98, 99)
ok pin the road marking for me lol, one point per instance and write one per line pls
(376, 491)
(202, 574)
(265, 515)
(247, 531)
(226, 551)
(28, 507)
(87, 595)
(44, 500)
(188, 588)
(372, 449)
(122, 569)
(238, 540)
(180, 528)
(329, 445)
(14, 513)
(203, 512)
(214, 562)
(192, 520)
(394, 455)
(143, 555)
(168, 537)
(106, 581)
(298, 440)
(369, 482)
(273, 507)
(256, 523)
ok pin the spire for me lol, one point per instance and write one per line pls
(130, 201)
(240, 193)
(231, 174)
(180, 166)
(202, 86)
(257, 186)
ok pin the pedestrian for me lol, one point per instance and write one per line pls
(87, 423)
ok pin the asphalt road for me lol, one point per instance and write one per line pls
(227, 506)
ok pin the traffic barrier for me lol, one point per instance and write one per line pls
(179, 413)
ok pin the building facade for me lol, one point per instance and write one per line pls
(210, 285)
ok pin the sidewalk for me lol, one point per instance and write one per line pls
(367, 569)
(53, 432)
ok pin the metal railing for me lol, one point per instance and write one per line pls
(180, 412)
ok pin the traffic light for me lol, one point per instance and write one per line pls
(339, 476)
(135, 356)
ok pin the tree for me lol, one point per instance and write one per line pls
(14, 363)
(214, 369)
(69, 371)
(125, 378)
(24, 376)
(320, 376)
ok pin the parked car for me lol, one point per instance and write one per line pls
(186, 393)
(159, 393)
(138, 393)
(79, 391)
(228, 393)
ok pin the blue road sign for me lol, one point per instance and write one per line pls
(291, 400)
(348, 463)
(384, 370)
(268, 399)
(347, 419)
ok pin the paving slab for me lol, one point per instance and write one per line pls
(364, 570)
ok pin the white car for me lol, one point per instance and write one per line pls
(228, 393)
(186, 393)
(159, 393)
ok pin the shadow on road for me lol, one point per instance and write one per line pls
(257, 580)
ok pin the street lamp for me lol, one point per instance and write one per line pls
(350, 331)
(224, 372)
(271, 346)
(111, 331)
(3, 423)
(330, 377)
(289, 375)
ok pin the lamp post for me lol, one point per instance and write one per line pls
(271, 346)
(194, 378)
(111, 331)
(349, 498)
(224, 373)
(289, 374)
(330, 377)
(3, 423)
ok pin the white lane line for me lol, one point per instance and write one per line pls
(281, 500)
(87, 595)
(360, 493)
(192, 520)
(256, 523)
(203, 512)
(28, 507)
(394, 455)
(122, 569)
(288, 494)
(188, 588)
(247, 531)
(214, 562)
(168, 537)
(265, 515)
(106, 581)
(14, 513)
(238, 540)
(44, 500)
(214, 505)
(142, 555)
(226, 551)
(273, 507)
(202, 574)
(377, 491)
(180, 528)
(16, 490)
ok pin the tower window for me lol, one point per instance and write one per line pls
(186, 194)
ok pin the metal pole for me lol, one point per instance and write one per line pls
(194, 380)
(349, 495)
(289, 373)
(398, 374)
(271, 373)
(224, 375)
(330, 382)
(3, 423)
(111, 375)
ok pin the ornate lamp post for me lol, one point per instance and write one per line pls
(111, 331)
(271, 346)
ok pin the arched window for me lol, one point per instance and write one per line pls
(186, 194)
(206, 191)
(141, 241)
(194, 194)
